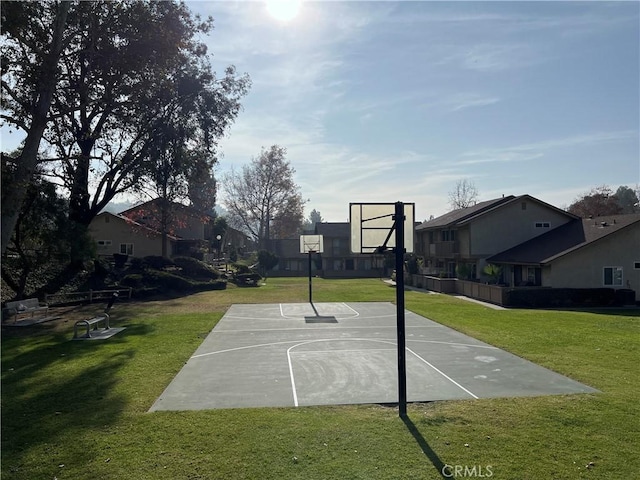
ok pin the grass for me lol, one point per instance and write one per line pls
(78, 410)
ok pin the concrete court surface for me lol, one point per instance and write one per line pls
(297, 354)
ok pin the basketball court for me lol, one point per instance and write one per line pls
(298, 354)
(301, 354)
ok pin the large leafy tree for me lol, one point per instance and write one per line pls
(33, 37)
(263, 199)
(627, 199)
(131, 87)
(42, 233)
(127, 70)
(314, 217)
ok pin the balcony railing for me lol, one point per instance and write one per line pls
(444, 249)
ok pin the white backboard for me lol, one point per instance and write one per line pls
(371, 224)
(311, 243)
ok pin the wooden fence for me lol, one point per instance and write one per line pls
(480, 291)
(85, 297)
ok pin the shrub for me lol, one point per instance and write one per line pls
(120, 259)
(241, 268)
(493, 272)
(156, 262)
(247, 279)
(137, 263)
(168, 281)
(559, 297)
(215, 285)
(267, 260)
(413, 264)
(195, 268)
(132, 280)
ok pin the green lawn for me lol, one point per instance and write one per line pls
(78, 410)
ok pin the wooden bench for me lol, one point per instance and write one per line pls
(18, 308)
(95, 321)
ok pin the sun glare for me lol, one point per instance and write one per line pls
(283, 10)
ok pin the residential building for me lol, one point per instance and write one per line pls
(136, 232)
(190, 226)
(463, 239)
(116, 234)
(583, 253)
(336, 261)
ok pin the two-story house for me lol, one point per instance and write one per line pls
(117, 234)
(459, 242)
(336, 261)
(137, 232)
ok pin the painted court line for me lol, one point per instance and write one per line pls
(442, 373)
(328, 327)
(488, 347)
(356, 314)
(293, 383)
(344, 350)
(241, 348)
(293, 380)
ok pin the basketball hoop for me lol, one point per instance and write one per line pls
(373, 226)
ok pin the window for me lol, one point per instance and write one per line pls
(104, 243)
(613, 276)
(636, 265)
(543, 225)
(126, 248)
(534, 276)
(448, 235)
(523, 205)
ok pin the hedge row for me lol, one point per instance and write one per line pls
(163, 281)
(566, 297)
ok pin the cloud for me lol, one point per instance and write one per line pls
(530, 151)
(464, 101)
(490, 57)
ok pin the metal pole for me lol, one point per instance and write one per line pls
(310, 298)
(402, 365)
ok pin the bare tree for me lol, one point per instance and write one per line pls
(263, 200)
(464, 195)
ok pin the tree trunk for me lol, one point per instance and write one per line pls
(79, 209)
(28, 160)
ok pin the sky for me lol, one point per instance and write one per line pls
(398, 101)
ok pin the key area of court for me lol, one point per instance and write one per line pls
(300, 354)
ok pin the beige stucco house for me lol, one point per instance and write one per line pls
(584, 253)
(136, 232)
(118, 234)
(190, 227)
(463, 239)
